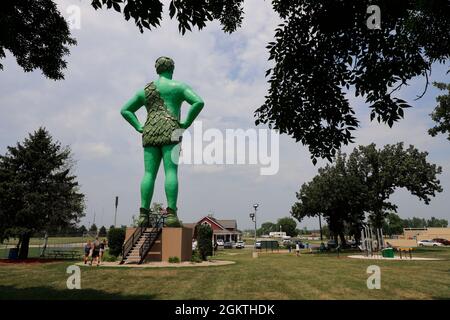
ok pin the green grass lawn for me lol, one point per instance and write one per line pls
(270, 276)
(53, 240)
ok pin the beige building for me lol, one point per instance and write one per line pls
(425, 233)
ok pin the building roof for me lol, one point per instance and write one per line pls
(225, 224)
(226, 232)
(228, 224)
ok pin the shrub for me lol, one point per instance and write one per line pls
(204, 240)
(108, 257)
(116, 237)
(196, 256)
(174, 260)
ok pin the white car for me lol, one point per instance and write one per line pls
(428, 243)
(240, 245)
(219, 242)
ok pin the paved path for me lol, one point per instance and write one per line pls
(396, 258)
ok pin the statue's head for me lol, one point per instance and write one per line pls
(164, 64)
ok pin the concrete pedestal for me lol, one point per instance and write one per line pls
(172, 242)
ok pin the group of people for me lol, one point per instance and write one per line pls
(94, 250)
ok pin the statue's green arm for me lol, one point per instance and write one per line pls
(131, 106)
(196, 106)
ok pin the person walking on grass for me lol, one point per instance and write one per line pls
(297, 249)
(102, 250)
(95, 251)
(87, 251)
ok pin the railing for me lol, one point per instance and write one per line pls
(128, 245)
(154, 233)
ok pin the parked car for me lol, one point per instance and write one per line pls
(445, 242)
(240, 245)
(428, 243)
(331, 244)
(258, 245)
(219, 242)
(228, 245)
(287, 242)
(300, 244)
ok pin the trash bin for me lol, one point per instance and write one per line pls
(387, 253)
(13, 253)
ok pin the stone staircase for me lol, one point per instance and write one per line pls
(149, 236)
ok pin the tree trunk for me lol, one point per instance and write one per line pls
(342, 236)
(23, 252)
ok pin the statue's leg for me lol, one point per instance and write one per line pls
(152, 159)
(170, 155)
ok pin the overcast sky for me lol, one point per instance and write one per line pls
(113, 60)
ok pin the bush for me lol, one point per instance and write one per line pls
(116, 237)
(108, 257)
(204, 240)
(196, 256)
(174, 260)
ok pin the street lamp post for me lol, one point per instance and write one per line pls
(253, 217)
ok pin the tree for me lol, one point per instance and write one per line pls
(287, 225)
(394, 167)
(337, 193)
(156, 207)
(36, 34)
(204, 240)
(38, 191)
(393, 224)
(82, 230)
(41, 36)
(441, 114)
(322, 48)
(102, 232)
(266, 228)
(93, 228)
(437, 223)
(116, 237)
(147, 14)
(345, 191)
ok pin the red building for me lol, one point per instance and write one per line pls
(222, 229)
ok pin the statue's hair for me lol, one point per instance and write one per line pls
(164, 64)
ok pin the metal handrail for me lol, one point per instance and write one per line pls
(128, 245)
(148, 243)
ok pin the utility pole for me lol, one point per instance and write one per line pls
(115, 214)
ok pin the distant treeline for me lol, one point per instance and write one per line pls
(394, 224)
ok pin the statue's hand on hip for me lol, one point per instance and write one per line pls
(184, 125)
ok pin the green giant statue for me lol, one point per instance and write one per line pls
(162, 98)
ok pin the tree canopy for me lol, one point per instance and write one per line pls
(324, 48)
(38, 191)
(266, 228)
(288, 225)
(36, 33)
(362, 183)
(441, 113)
(393, 224)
